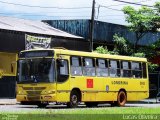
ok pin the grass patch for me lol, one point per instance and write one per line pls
(115, 113)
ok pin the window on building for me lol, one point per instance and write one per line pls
(76, 68)
(136, 70)
(125, 69)
(88, 67)
(102, 67)
(114, 68)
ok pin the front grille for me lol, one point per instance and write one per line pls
(34, 88)
(33, 98)
(28, 88)
(33, 92)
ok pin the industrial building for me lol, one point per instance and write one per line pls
(103, 32)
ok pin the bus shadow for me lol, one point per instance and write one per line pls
(79, 107)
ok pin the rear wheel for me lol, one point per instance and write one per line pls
(91, 104)
(74, 99)
(121, 98)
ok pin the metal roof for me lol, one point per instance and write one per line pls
(38, 27)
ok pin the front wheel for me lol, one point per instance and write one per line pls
(121, 98)
(74, 100)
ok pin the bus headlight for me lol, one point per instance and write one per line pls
(20, 92)
(49, 92)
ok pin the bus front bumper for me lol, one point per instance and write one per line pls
(42, 98)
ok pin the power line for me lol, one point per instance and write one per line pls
(125, 3)
(109, 7)
(133, 3)
(24, 5)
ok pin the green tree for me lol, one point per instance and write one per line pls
(142, 21)
(121, 45)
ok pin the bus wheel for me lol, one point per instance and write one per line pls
(121, 98)
(74, 99)
(42, 105)
(91, 104)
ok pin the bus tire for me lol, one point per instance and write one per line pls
(74, 99)
(121, 98)
(91, 104)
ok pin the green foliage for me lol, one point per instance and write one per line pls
(157, 5)
(122, 46)
(102, 50)
(152, 67)
(155, 45)
(139, 55)
(142, 21)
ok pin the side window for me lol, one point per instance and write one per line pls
(102, 67)
(114, 68)
(144, 70)
(76, 69)
(125, 69)
(62, 70)
(136, 70)
(88, 67)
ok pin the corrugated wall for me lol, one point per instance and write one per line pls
(103, 32)
(76, 27)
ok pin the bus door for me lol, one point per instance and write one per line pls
(63, 83)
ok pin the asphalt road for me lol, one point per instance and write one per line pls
(17, 107)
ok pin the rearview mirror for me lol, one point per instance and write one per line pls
(60, 62)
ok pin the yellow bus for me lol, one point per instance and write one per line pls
(71, 77)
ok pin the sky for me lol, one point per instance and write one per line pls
(68, 9)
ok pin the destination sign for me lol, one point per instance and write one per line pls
(29, 54)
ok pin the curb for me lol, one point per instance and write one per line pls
(8, 103)
(144, 102)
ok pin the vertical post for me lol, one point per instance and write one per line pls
(92, 26)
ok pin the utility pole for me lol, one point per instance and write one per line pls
(92, 26)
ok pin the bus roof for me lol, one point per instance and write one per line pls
(91, 54)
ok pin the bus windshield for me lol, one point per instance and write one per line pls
(36, 70)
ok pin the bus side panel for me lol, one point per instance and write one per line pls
(136, 89)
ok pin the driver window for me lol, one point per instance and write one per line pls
(64, 68)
